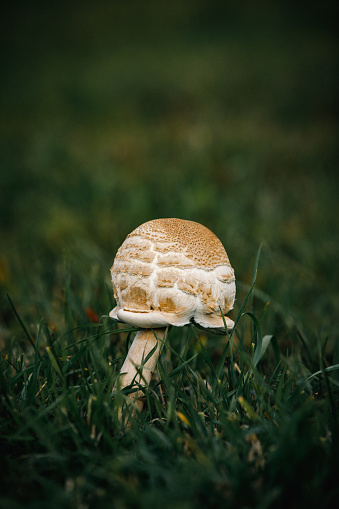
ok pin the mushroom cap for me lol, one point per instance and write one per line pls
(173, 272)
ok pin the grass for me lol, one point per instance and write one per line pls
(117, 113)
(226, 422)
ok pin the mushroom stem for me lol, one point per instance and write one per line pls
(135, 368)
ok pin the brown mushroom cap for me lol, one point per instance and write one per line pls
(172, 272)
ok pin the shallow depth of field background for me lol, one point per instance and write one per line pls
(117, 112)
(114, 113)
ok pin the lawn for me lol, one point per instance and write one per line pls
(116, 113)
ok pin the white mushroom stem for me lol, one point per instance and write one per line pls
(135, 368)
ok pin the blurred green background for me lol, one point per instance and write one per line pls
(225, 113)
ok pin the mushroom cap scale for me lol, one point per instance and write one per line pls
(172, 272)
(178, 236)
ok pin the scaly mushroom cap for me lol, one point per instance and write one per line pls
(172, 272)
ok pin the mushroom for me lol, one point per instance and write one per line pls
(168, 272)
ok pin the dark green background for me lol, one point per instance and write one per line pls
(114, 113)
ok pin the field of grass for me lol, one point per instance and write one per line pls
(115, 113)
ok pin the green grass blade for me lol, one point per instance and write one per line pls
(55, 363)
(210, 364)
(248, 408)
(31, 391)
(250, 292)
(280, 387)
(254, 278)
(334, 367)
(24, 328)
